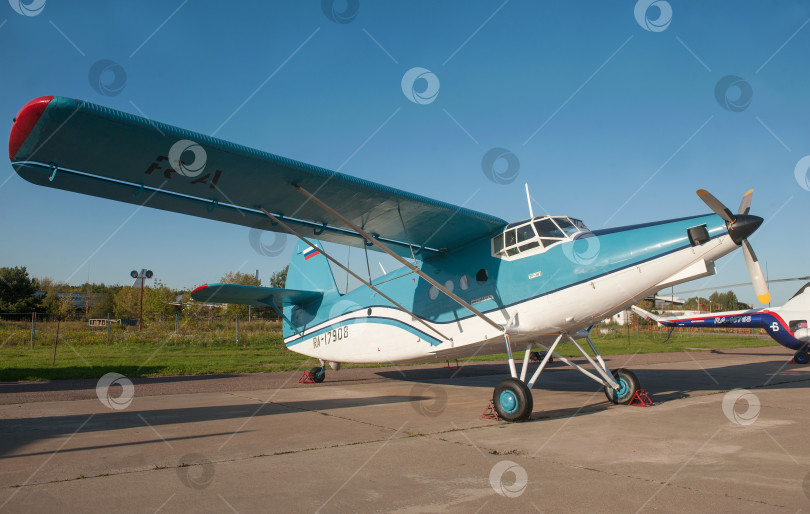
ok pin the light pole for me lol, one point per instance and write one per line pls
(141, 277)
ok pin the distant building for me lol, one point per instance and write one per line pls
(621, 318)
(82, 301)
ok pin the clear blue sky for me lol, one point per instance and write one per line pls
(591, 103)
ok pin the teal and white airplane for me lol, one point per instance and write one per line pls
(470, 282)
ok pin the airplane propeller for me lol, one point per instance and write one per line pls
(740, 226)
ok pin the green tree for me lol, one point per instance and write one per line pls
(102, 304)
(245, 279)
(279, 278)
(237, 277)
(157, 301)
(17, 290)
(696, 303)
(126, 302)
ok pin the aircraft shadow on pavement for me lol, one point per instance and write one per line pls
(19, 432)
(661, 384)
(71, 384)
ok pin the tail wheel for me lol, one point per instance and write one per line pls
(513, 400)
(318, 373)
(801, 357)
(628, 385)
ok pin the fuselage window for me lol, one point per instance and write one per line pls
(481, 276)
(796, 324)
(464, 282)
(433, 292)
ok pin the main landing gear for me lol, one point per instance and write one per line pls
(512, 398)
(801, 357)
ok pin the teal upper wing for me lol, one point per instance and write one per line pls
(82, 147)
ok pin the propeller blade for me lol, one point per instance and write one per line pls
(745, 205)
(715, 205)
(755, 271)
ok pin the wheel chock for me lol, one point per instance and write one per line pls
(306, 378)
(490, 412)
(641, 399)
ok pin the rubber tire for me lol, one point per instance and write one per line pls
(626, 378)
(317, 373)
(516, 390)
(801, 357)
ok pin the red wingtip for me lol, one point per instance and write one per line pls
(199, 289)
(24, 123)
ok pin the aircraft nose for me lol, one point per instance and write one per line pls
(744, 225)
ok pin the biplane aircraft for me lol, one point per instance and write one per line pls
(787, 325)
(470, 283)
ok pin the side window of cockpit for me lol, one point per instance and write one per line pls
(511, 238)
(510, 242)
(497, 244)
(525, 235)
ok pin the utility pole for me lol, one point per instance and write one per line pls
(141, 277)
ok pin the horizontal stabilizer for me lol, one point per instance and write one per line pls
(646, 314)
(253, 295)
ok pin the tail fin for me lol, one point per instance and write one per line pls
(309, 270)
(800, 300)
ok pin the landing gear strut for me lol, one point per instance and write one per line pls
(512, 398)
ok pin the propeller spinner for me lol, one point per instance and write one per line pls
(740, 226)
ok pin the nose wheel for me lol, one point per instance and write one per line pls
(513, 400)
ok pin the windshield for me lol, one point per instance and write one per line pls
(535, 235)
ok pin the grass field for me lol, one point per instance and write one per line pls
(208, 347)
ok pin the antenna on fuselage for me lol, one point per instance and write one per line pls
(529, 199)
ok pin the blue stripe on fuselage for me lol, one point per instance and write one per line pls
(382, 320)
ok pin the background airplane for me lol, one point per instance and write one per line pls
(470, 282)
(787, 325)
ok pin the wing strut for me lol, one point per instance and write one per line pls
(355, 275)
(368, 237)
(405, 229)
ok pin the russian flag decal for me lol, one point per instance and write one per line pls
(310, 252)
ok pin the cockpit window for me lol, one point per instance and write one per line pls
(510, 238)
(580, 225)
(546, 228)
(535, 234)
(566, 225)
(525, 233)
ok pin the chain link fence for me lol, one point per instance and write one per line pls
(37, 328)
